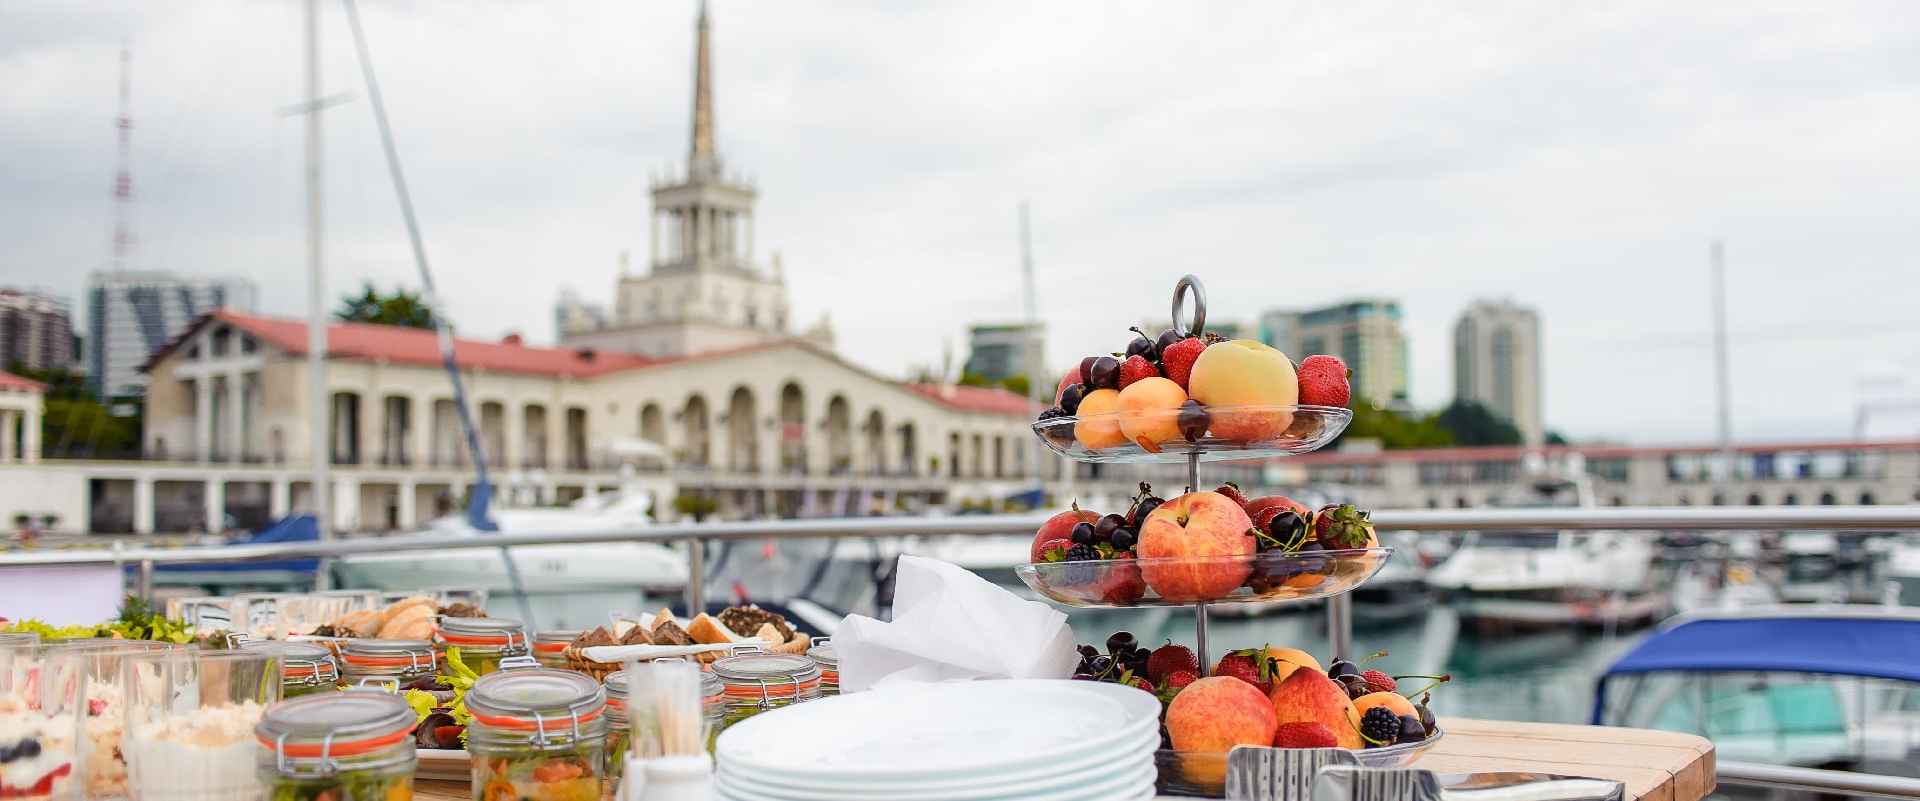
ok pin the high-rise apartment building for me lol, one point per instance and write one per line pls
(1365, 333)
(36, 331)
(1000, 352)
(130, 315)
(1496, 362)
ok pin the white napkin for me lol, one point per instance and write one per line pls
(951, 625)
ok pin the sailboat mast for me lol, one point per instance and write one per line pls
(319, 411)
(1722, 383)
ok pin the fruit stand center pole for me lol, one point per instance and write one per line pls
(1199, 609)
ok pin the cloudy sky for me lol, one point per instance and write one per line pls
(1576, 157)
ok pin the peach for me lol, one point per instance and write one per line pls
(1245, 372)
(1197, 524)
(1308, 696)
(1150, 411)
(1103, 430)
(1217, 713)
(1393, 701)
(1288, 660)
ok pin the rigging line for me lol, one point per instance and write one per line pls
(441, 329)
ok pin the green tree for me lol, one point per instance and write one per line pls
(1395, 430)
(74, 423)
(1474, 424)
(400, 308)
(1557, 438)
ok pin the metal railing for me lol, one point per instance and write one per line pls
(1647, 519)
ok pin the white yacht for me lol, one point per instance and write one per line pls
(1551, 578)
(469, 562)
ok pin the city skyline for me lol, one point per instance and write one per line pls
(1589, 193)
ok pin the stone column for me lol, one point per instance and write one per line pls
(653, 238)
(279, 497)
(346, 504)
(513, 420)
(216, 504)
(408, 498)
(236, 417)
(203, 417)
(6, 435)
(143, 505)
(419, 413)
(748, 255)
(30, 436)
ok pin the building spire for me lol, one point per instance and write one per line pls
(702, 152)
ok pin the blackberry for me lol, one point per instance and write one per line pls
(1052, 413)
(1080, 552)
(1379, 727)
(1079, 571)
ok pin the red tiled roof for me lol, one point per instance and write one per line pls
(983, 400)
(14, 383)
(418, 346)
(1603, 451)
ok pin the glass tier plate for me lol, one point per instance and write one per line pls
(1233, 432)
(1272, 577)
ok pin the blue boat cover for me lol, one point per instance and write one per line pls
(296, 528)
(1885, 648)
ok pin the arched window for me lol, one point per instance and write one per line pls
(1866, 499)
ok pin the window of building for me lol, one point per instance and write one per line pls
(1866, 499)
(1754, 499)
(1827, 499)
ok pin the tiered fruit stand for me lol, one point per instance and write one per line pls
(1293, 578)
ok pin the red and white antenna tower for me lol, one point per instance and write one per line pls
(123, 176)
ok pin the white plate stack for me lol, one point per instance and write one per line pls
(967, 741)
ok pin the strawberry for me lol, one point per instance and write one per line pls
(1135, 368)
(1122, 585)
(1250, 665)
(1142, 683)
(1179, 679)
(1233, 493)
(1339, 527)
(1170, 659)
(1176, 362)
(1323, 381)
(1304, 734)
(1378, 681)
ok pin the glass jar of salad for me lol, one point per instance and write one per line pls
(482, 641)
(619, 728)
(752, 683)
(537, 733)
(378, 661)
(304, 669)
(350, 746)
(822, 654)
(549, 647)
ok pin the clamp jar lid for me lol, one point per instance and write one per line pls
(763, 677)
(382, 656)
(483, 631)
(537, 704)
(308, 735)
(553, 642)
(823, 654)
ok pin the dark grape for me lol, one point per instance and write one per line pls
(1426, 714)
(1286, 526)
(1122, 540)
(1142, 346)
(1192, 421)
(1166, 340)
(1082, 533)
(1105, 373)
(1100, 664)
(1104, 527)
(1121, 642)
(1145, 507)
(1342, 667)
(1411, 729)
(1354, 685)
(1070, 398)
(1088, 651)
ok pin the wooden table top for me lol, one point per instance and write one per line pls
(1654, 765)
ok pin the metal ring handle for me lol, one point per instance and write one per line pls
(1190, 282)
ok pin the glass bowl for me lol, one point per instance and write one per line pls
(1179, 581)
(1233, 432)
(1205, 774)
